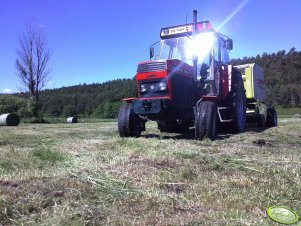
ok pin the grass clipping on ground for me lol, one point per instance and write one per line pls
(85, 174)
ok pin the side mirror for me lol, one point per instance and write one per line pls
(229, 44)
(151, 52)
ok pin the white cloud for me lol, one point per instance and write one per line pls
(7, 91)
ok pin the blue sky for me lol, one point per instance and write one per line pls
(96, 41)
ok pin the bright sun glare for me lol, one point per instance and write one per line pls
(201, 46)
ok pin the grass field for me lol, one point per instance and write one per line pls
(85, 174)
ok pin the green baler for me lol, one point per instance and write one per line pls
(257, 111)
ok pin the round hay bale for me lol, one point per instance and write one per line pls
(9, 119)
(72, 120)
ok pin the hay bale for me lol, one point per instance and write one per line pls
(9, 119)
(72, 120)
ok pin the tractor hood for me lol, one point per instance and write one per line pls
(162, 68)
(154, 78)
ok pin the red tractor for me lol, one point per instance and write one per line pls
(190, 83)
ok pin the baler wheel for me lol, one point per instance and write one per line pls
(129, 123)
(272, 119)
(206, 123)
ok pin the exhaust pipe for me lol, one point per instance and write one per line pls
(195, 57)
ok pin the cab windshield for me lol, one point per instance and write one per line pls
(183, 48)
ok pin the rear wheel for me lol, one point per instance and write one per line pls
(272, 119)
(129, 123)
(239, 108)
(206, 121)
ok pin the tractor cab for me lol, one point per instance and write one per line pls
(208, 48)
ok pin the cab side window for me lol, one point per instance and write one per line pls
(217, 49)
(224, 52)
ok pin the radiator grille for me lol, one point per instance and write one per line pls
(153, 66)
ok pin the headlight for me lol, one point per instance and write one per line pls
(162, 86)
(156, 86)
(142, 88)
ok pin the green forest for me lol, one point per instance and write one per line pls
(102, 100)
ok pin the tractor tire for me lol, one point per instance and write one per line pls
(196, 127)
(272, 119)
(206, 123)
(129, 123)
(239, 108)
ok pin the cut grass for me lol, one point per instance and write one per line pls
(46, 154)
(85, 174)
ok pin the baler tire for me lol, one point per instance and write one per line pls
(275, 119)
(207, 121)
(272, 119)
(128, 122)
(239, 108)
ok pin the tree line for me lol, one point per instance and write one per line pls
(102, 100)
(94, 100)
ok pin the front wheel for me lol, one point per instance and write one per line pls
(206, 121)
(129, 123)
